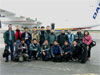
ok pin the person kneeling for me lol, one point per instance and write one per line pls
(45, 51)
(76, 50)
(21, 53)
(67, 52)
(34, 50)
(56, 52)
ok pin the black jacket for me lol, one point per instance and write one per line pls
(76, 49)
(62, 38)
(79, 37)
(67, 49)
(42, 37)
(29, 38)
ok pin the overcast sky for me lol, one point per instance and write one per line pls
(64, 13)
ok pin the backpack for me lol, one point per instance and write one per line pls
(84, 53)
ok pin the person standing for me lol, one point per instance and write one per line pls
(35, 35)
(48, 29)
(52, 37)
(18, 35)
(79, 36)
(70, 37)
(62, 38)
(27, 36)
(87, 39)
(42, 36)
(10, 41)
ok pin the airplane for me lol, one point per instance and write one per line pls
(85, 27)
(10, 18)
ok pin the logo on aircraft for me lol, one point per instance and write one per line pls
(97, 11)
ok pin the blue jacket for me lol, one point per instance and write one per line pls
(70, 38)
(56, 50)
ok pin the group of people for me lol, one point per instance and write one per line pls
(45, 44)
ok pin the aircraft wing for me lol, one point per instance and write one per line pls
(84, 27)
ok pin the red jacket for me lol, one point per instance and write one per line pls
(87, 40)
(16, 34)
